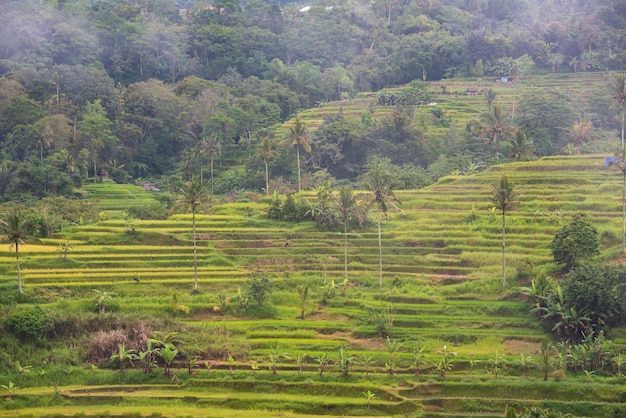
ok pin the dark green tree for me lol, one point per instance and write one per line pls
(597, 289)
(504, 197)
(575, 242)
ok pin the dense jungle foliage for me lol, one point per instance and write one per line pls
(161, 90)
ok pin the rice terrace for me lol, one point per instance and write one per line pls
(442, 336)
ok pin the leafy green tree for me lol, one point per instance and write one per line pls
(95, 128)
(16, 229)
(195, 196)
(297, 136)
(598, 290)
(575, 242)
(52, 131)
(504, 197)
(259, 288)
(380, 183)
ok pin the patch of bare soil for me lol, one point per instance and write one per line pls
(355, 343)
(516, 347)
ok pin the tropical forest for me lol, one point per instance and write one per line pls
(313, 208)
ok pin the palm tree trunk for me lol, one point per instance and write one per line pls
(94, 171)
(623, 115)
(201, 171)
(267, 178)
(503, 247)
(195, 253)
(298, 158)
(624, 213)
(19, 272)
(345, 248)
(380, 253)
(211, 173)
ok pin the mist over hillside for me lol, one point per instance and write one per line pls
(160, 89)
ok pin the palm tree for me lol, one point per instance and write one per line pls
(214, 148)
(297, 137)
(345, 205)
(495, 126)
(195, 195)
(379, 182)
(521, 146)
(266, 151)
(15, 228)
(504, 197)
(618, 88)
(580, 132)
(490, 96)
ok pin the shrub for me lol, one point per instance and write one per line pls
(29, 323)
(575, 242)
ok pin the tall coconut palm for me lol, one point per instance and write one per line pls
(297, 136)
(580, 132)
(490, 96)
(266, 151)
(504, 197)
(345, 206)
(16, 229)
(521, 147)
(213, 147)
(618, 89)
(379, 182)
(195, 196)
(496, 125)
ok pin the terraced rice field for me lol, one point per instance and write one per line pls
(441, 287)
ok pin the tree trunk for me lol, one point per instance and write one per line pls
(211, 173)
(195, 257)
(345, 248)
(624, 212)
(623, 115)
(95, 175)
(503, 247)
(267, 178)
(380, 253)
(298, 158)
(19, 272)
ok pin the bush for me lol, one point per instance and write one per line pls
(29, 323)
(575, 242)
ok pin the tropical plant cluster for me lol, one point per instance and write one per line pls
(162, 90)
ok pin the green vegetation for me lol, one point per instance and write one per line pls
(274, 328)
